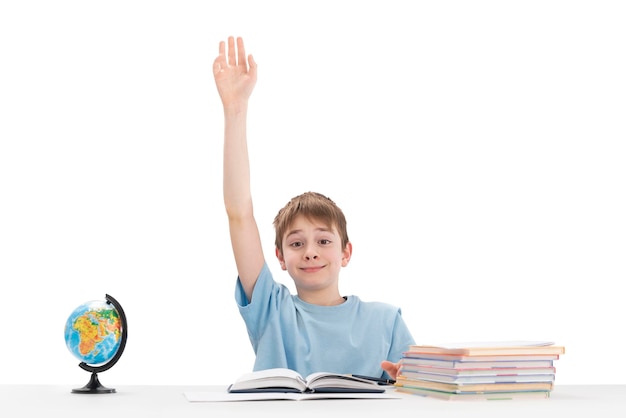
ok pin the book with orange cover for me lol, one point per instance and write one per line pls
(490, 348)
(461, 357)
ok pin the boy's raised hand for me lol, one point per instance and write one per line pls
(235, 74)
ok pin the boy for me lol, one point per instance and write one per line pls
(317, 330)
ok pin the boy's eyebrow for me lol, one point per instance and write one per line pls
(296, 231)
(289, 233)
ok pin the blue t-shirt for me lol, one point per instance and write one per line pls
(353, 337)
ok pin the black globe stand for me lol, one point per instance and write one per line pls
(94, 386)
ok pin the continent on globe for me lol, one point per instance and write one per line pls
(93, 332)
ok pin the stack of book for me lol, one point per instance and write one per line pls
(480, 371)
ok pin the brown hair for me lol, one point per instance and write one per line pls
(313, 206)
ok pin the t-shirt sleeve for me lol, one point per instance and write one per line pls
(266, 299)
(401, 339)
(257, 292)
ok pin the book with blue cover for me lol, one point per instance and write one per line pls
(510, 362)
(485, 378)
(482, 371)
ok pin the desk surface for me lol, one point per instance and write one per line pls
(169, 401)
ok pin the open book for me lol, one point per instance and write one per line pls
(286, 380)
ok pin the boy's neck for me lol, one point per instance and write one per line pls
(321, 299)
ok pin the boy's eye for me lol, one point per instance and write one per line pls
(324, 241)
(296, 244)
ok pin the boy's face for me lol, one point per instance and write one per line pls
(313, 255)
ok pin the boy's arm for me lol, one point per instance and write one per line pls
(235, 78)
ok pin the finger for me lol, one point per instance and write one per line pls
(252, 64)
(231, 51)
(220, 61)
(217, 65)
(241, 51)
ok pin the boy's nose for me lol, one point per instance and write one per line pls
(310, 255)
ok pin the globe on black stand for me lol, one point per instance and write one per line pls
(94, 386)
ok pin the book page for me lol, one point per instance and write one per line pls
(270, 374)
(267, 379)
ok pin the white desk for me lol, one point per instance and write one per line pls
(600, 401)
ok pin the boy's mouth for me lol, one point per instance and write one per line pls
(311, 269)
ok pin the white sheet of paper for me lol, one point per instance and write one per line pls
(209, 396)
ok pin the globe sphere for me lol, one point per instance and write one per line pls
(93, 332)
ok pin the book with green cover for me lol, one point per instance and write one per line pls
(403, 381)
(498, 396)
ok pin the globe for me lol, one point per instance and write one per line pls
(95, 333)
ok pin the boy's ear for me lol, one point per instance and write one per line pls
(281, 259)
(347, 253)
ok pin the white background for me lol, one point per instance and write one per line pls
(477, 149)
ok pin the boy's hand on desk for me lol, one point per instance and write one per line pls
(391, 368)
